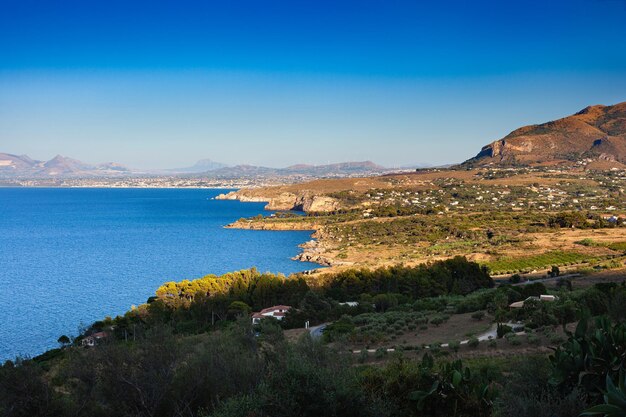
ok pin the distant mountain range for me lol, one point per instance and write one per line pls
(596, 133)
(335, 170)
(59, 166)
(203, 165)
(22, 166)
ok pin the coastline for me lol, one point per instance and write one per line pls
(314, 250)
(155, 276)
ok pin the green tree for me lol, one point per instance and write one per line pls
(238, 308)
(63, 340)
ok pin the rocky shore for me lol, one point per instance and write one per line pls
(312, 251)
(306, 202)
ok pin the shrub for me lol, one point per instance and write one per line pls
(528, 393)
(503, 329)
(515, 341)
(556, 339)
(473, 342)
(437, 320)
(479, 315)
(533, 340)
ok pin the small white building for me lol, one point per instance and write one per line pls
(277, 312)
(350, 304)
(93, 339)
(542, 297)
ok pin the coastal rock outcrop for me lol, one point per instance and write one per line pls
(314, 258)
(306, 202)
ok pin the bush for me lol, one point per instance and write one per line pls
(455, 346)
(556, 339)
(437, 320)
(533, 340)
(528, 393)
(502, 330)
(341, 327)
(514, 341)
(479, 315)
(473, 342)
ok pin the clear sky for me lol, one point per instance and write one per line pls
(155, 84)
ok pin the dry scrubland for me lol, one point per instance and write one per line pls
(510, 219)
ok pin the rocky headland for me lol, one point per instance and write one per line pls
(304, 201)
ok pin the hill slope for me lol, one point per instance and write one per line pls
(596, 132)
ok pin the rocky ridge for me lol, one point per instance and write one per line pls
(594, 133)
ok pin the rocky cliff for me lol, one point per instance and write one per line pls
(306, 202)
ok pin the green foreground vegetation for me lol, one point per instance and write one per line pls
(192, 351)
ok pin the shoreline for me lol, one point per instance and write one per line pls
(139, 299)
(97, 187)
(313, 251)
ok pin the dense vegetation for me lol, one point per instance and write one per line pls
(201, 304)
(191, 351)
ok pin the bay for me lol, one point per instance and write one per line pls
(69, 257)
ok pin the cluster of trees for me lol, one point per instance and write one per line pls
(579, 220)
(256, 289)
(195, 306)
(452, 276)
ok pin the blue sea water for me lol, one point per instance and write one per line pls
(72, 256)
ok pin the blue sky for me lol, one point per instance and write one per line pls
(162, 84)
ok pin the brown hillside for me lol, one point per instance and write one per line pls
(596, 132)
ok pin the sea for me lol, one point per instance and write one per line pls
(71, 256)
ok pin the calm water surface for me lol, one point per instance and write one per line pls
(72, 256)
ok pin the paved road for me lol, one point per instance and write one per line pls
(317, 331)
(547, 279)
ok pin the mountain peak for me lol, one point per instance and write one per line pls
(595, 132)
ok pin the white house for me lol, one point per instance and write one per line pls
(278, 312)
(93, 339)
